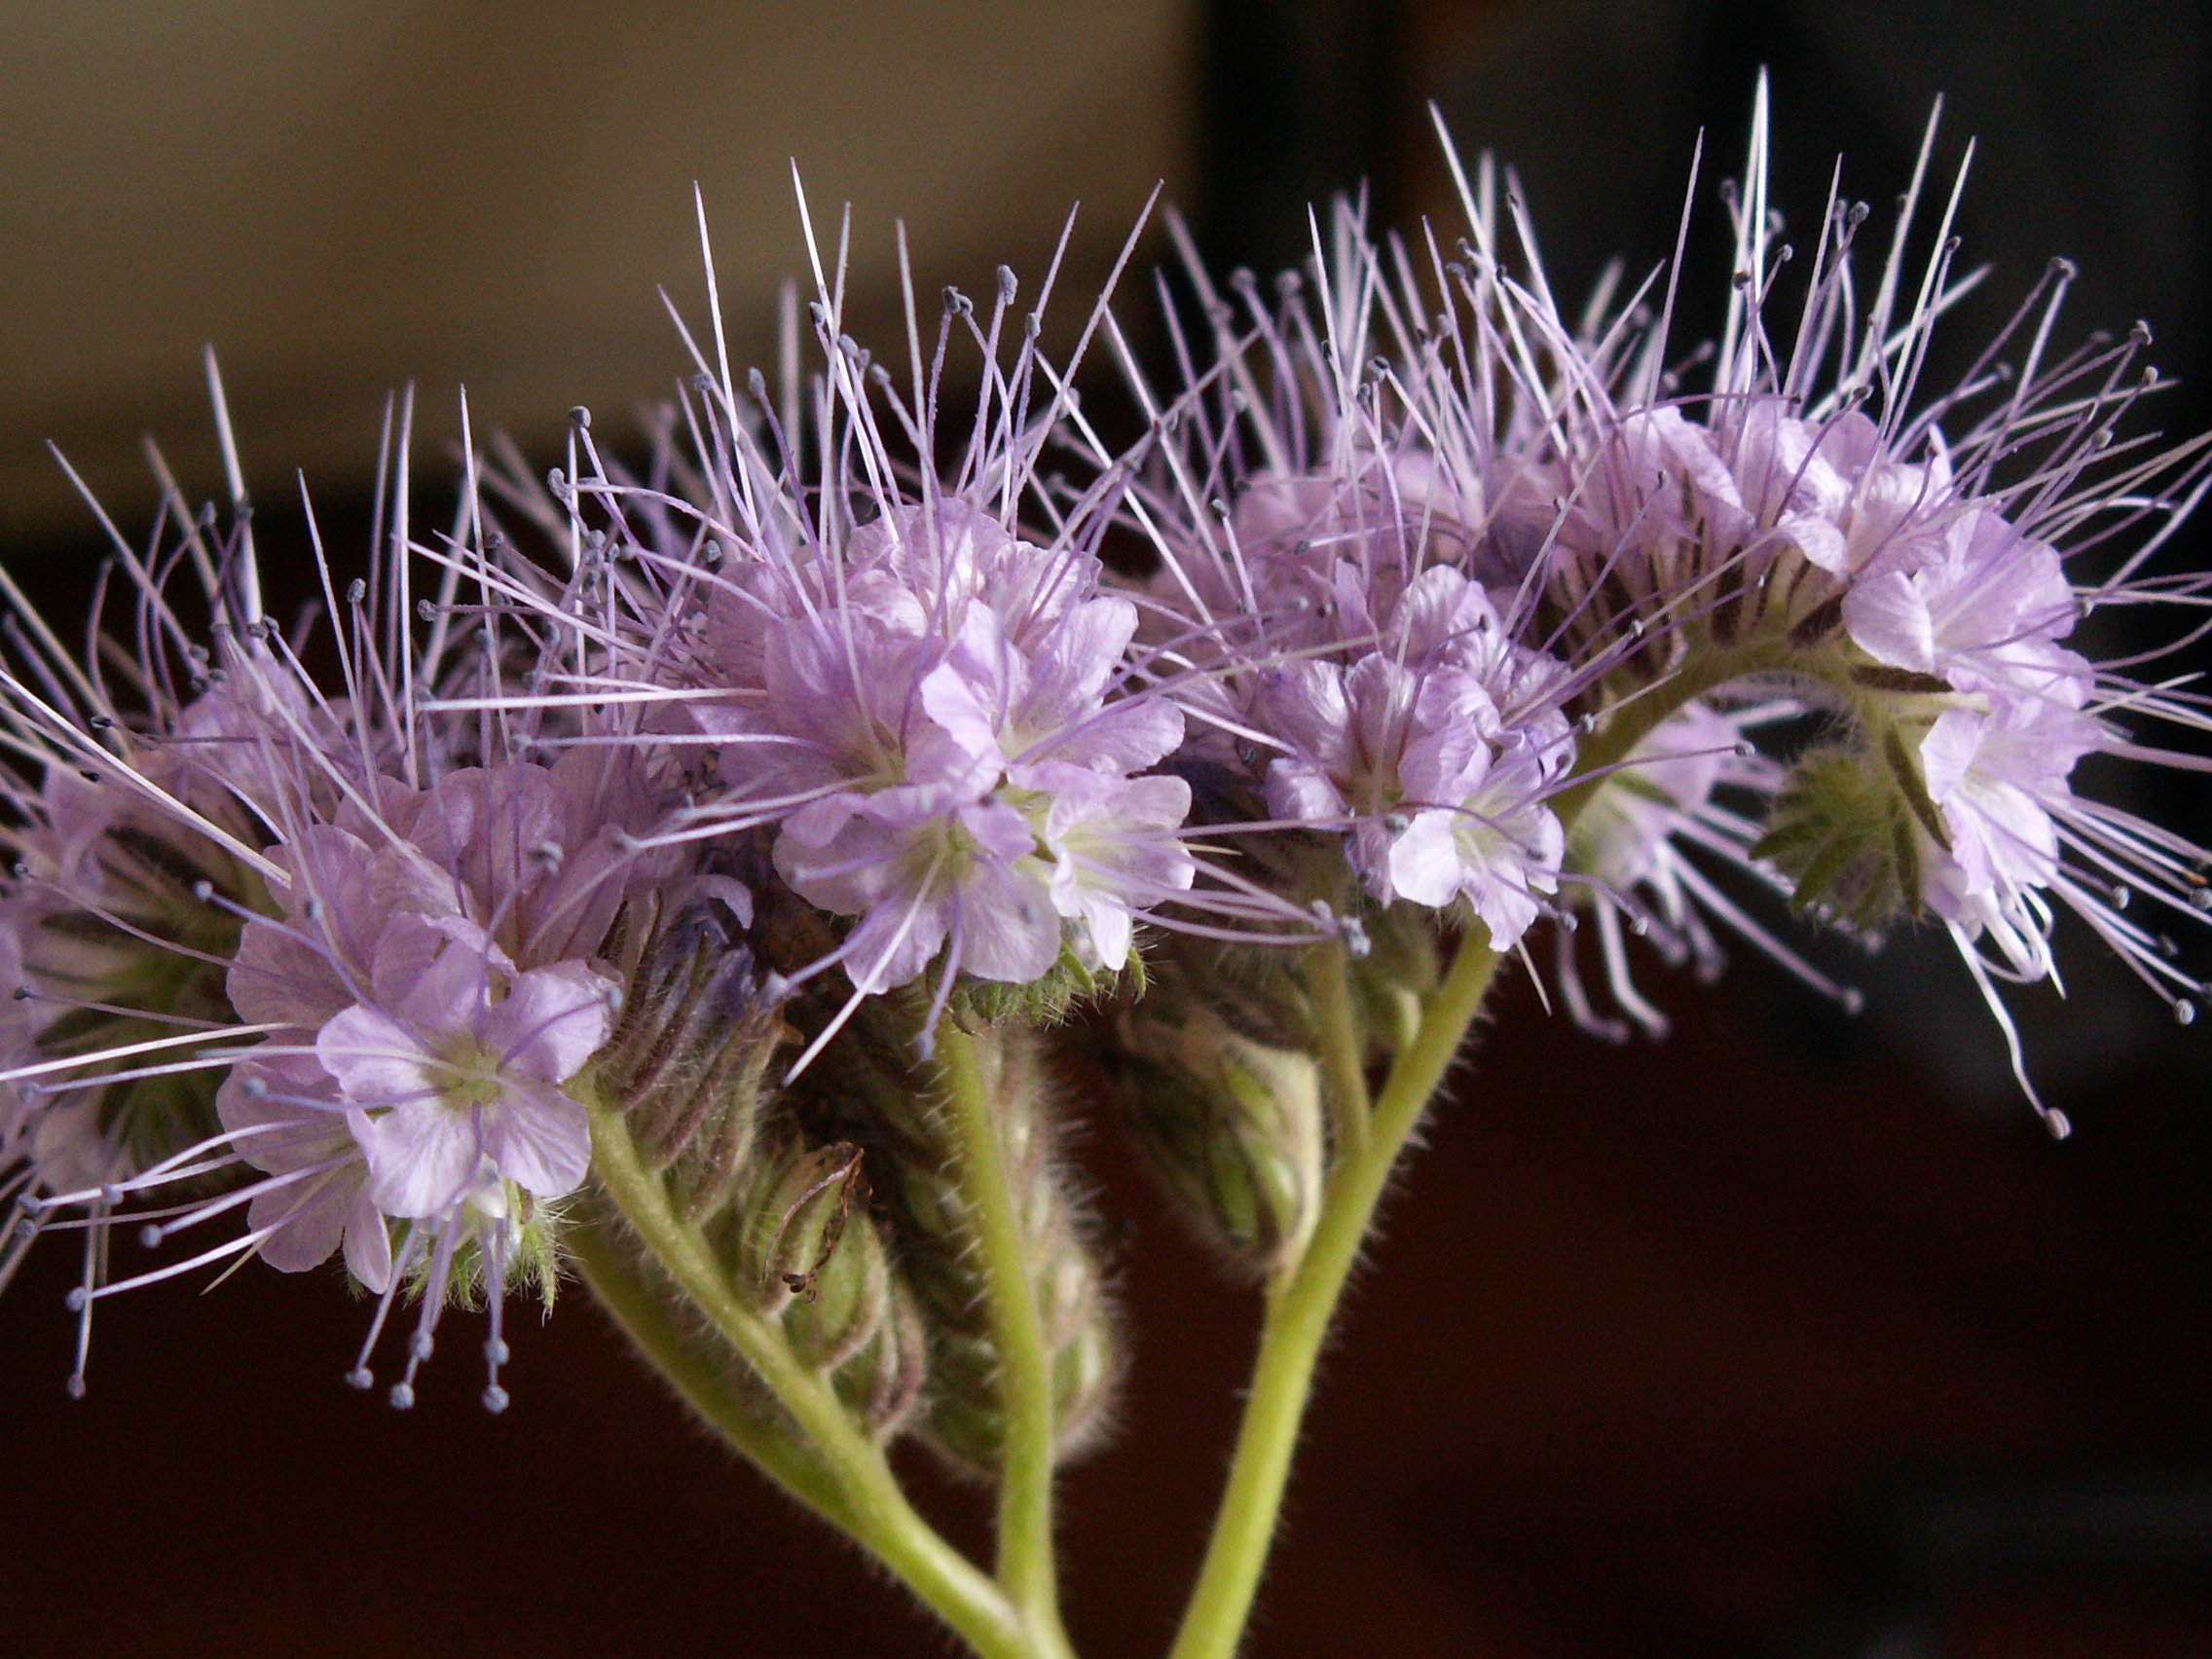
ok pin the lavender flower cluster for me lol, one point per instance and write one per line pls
(698, 798)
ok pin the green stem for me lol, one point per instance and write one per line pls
(1298, 1314)
(695, 1371)
(873, 1509)
(1344, 1061)
(1299, 1307)
(1025, 1564)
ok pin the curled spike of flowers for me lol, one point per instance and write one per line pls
(1444, 568)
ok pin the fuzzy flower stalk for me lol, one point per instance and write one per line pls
(688, 869)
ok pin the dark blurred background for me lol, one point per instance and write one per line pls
(1790, 1338)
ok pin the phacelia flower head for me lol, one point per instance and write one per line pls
(903, 688)
(309, 957)
(1907, 575)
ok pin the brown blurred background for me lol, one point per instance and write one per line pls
(1790, 1338)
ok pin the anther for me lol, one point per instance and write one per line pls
(100, 723)
(149, 1237)
(402, 1397)
(204, 891)
(495, 1351)
(426, 610)
(419, 1345)
(2065, 269)
(1008, 286)
(361, 1378)
(24, 993)
(88, 774)
(817, 313)
(357, 590)
(2121, 896)
(1032, 325)
(495, 1399)
(580, 418)
(77, 1298)
(1853, 1001)
(879, 375)
(253, 1087)
(1397, 823)
(547, 853)
(2058, 1124)
(74, 1384)
(2185, 1012)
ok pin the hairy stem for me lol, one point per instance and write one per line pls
(1299, 1311)
(1025, 1564)
(1300, 1306)
(871, 1507)
(1344, 1062)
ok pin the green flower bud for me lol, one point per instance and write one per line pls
(1234, 1127)
(688, 1060)
(1399, 970)
(1849, 826)
(867, 1089)
(799, 1241)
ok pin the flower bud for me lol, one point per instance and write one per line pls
(806, 1251)
(800, 1244)
(1234, 1127)
(1848, 828)
(688, 1060)
(866, 1088)
(1399, 970)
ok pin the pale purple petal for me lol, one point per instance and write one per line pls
(422, 1159)
(538, 1138)
(551, 1021)
(1889, 620)
(375, 1059)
